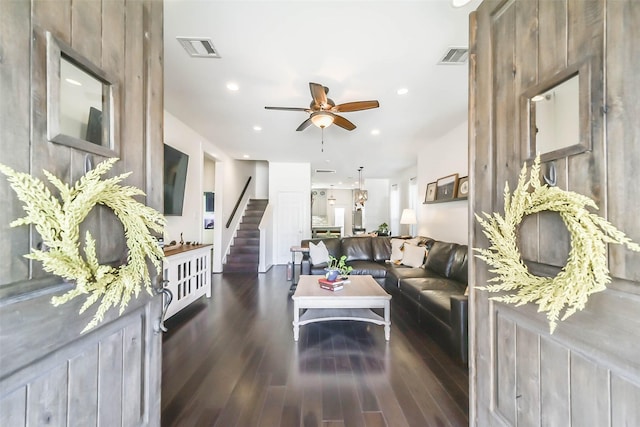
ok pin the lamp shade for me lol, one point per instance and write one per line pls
(321, 119)
(408, 217)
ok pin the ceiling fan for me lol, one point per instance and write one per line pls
(323, 110)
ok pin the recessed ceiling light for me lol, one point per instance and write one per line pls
(257, 128)
(375, 132)
(339, 182)
(233, 86)
(403, 91)
(460, 3)
(245, 156)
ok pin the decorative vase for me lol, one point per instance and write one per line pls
(332, 275)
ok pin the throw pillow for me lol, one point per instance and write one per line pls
(417, 241)
(396, 249)
(413, 256)
(319, 253)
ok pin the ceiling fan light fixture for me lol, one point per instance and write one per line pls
(321, 119)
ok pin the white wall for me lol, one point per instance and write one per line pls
(181, 137)
(289, 179)
(262, 180)
(209, 184)
(402, 181)
(436, 159)
(230, 177)
(376, 208)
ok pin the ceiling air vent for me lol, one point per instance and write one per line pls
(199, 47)
(455, 55)
(325, 171)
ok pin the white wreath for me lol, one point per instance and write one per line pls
(586, 270)
(58, 223)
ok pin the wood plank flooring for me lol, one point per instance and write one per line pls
(231, 361)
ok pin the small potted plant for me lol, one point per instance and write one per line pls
(383, 229)
(338, 267)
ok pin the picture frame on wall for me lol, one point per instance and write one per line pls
(463, 187)
(447, 187)
(430, 194)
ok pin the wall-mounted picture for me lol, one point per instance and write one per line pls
(430, 195)
(447, 187)
(463, 187)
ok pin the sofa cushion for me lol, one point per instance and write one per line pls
(438, 303)
(318, 253)
(413, 256)
(357, 248)
(375, 269)
(438, 258)
(458, 264)
(404, 272)
(396, 249)
(381, 248)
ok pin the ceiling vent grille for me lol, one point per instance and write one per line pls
(199, 47)
(325, 171)
(455, 55)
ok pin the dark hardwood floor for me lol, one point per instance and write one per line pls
(231, 361)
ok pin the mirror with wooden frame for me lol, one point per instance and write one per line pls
(80, 107)
(555, 115)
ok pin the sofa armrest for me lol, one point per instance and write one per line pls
(305, 264)
(460, 326)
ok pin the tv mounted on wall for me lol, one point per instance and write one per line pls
(175, 179)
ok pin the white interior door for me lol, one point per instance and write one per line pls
(292, 209)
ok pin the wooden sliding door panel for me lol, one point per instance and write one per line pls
(587, 372)
(50, 372)
(14, 143)
(623, 134)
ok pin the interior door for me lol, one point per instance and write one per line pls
(588, 372)
(51, 373)
(291, 212)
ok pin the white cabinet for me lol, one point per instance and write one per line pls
(187, 271)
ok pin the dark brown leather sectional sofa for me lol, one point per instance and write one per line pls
(433, 293)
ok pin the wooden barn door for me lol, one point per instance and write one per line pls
(587, 373)
(50, 373)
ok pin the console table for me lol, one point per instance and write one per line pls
(294, 250)
(187, 274)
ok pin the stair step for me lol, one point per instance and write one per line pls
(251, 219)
(246, 241)
(244, 250)
(248, 233)
(242, 258)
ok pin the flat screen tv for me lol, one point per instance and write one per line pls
(175, 179)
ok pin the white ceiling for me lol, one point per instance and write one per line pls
(361, 50)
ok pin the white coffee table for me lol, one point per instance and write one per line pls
(353, 302)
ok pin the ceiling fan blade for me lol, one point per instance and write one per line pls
(304, 124)
(288, 108)
(343, 123)
(318, 94)
(355, 106)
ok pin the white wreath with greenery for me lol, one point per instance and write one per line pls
(586, 270)
(58, 223)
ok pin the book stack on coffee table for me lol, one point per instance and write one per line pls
(332, 285)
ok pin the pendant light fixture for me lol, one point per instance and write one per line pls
(332, 199)
(360, 196)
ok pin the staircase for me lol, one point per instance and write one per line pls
(245, 250)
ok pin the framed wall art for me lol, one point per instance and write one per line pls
(463, 187)
(447, 187)
(430, 194)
